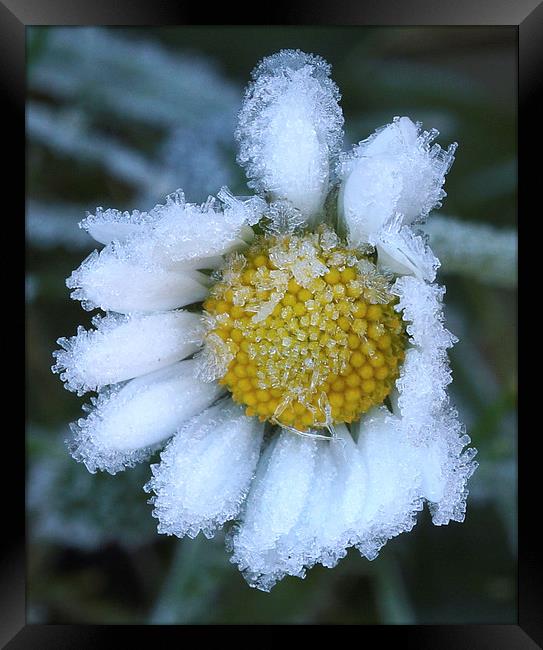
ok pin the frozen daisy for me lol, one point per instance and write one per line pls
(291, 345)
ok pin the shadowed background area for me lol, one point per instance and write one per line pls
(120, 117)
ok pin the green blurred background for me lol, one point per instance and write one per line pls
(119, 117)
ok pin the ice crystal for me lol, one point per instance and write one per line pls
(290, 128)
(121, 279)
(205, 471)
(125, 422)
(121, 348)
(394, 170)
(401, 250)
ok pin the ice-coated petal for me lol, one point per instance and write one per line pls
(362, 495)
(280, 489)
(396, 170)
(205, 471)
(121, 348)
(393, 471)
(329, 521)
(422, 404)
(184, 233)
(290, 129)
(180, 235)
(283, 536)
(425, 373)
(107, 225)
(405, 471)
(118, 280)
(404, 252)
(138, 415)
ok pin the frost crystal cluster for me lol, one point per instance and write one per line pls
(291, 345)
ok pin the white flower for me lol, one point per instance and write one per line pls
(274, 391)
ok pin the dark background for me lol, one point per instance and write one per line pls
(119, 117)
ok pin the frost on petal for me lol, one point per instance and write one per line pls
(127, 421)
(402, 251)
(425, 374)
(313, 499)
(405, 471)
(283, 218)
(205, 471)
(122, 280)
(179, 235)
(395, 170)
(304, 507)
(124, 347)
(422, 402)
(393, 495)
(107, 225)
(187, 233)
(290, 129)
(281, 486)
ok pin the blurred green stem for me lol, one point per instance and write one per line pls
(175, 602)
(476, 250)
(196, 574)
(390, 592)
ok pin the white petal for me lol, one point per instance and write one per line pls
(394, 478)
(394, 171)
(188, 233)
(427, 419)
(425, 373)
(351, 486)
(326, 526)
(403, 252)
(107, 225)
(206, 471)
(125, 347)
(277, 498)
(139, 415)
(290, 127)
(114, 280)
(285, 538)
(368, 196)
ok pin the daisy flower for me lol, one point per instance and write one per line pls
(291, 345)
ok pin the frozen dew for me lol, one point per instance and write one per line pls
(179, 233)
(341, 494)
(402, 250)
(314, 499)
(107, 225)
(389, 181)
(290, 129)
(281, 218)
(150, 260)
(121, 279)
(126, 421)
(123, 347)
(205, 471)
(185, 232)
(426, 416)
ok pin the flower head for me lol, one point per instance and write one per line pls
(291, 344)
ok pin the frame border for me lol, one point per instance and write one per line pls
(527, 16)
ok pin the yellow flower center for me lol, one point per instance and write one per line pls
(303, 331)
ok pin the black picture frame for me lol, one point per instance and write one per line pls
(527, 17)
